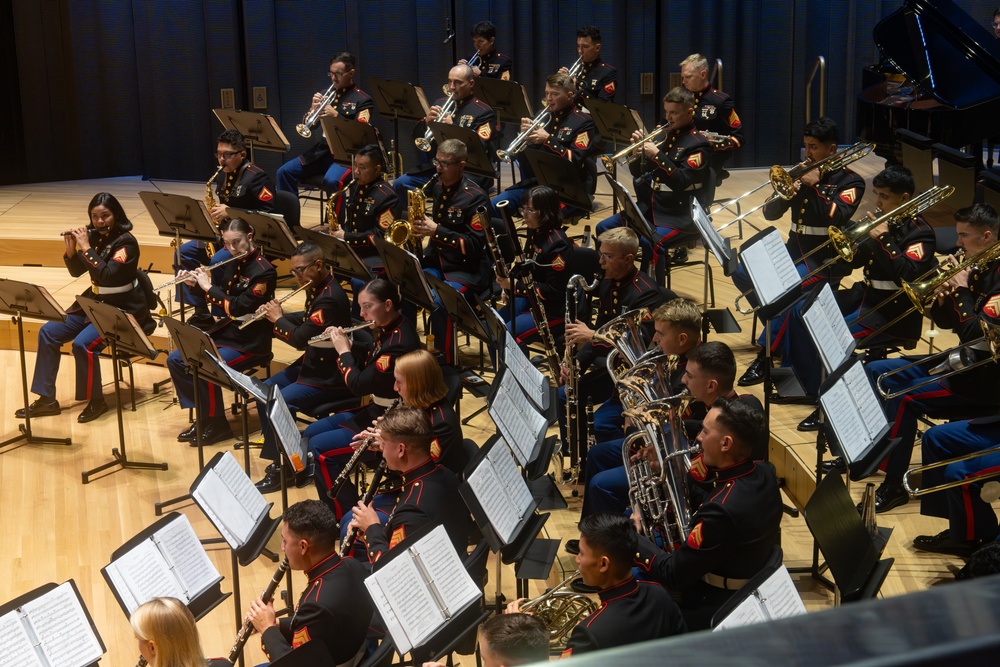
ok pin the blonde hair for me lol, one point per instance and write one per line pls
(424, 381)
(696, 60)
(622, 238)
(681, 313)
(170, 625)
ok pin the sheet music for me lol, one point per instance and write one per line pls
(848, 425)
(491, 495)
(142, 574)
(779, 596)
(713, 239)
(518, 422)
(287, 432)
(746, 613)
(16, 647)
(396, 593)
(230, 500)
(829, 331)
(532, 380)
(247, 382)
(447, 574)
(868, 404)
(771, 268)
(510, 477)
(183, 551)
(67, 638)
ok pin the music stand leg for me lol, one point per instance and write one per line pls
(119, 454)
(26, 427)
(237, 605)
(158, 507)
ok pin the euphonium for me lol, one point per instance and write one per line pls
(560, 610)
(625, 156)
(210, 204)
(450, 105)
(624, 335)
(783, 180)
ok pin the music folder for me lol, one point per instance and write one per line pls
(271, 232)
(534, 383)
(479, 162)
(419, 586)
(398, 99)
(31, 301)
(631, 215)
(341, 257)
(559, 174)
(615, 122)
(293, 443)
(774, 598)
(518, 421)
(827, 328)
(507, 98)
(775, 279)
(346, 136)
(49, 627)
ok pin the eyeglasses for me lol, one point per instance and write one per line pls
(336, 75)
(443, 163)
(298, 272)
(607, 256)
(226, 155)
(524, 210)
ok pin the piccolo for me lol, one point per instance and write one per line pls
(210, 267)
(323, 339)
(260, 313)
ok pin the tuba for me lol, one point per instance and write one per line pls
(560, 610)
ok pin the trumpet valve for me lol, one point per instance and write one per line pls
(303, 130)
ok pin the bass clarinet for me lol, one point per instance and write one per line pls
(348, 543)
(247, 629)
(573, 375)
(355, 459)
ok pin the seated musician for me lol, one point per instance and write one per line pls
(622, 289)
(349, 102)
(429, 493)
(972, 521)
(667, 174)
(106, 250)
(470, 112)
(239, 185)
(971, 297)
(249, 284)
(510, 640)
(370, 375)
(819, 203)
(488, 62)
(547, 245)
(456, 245)
(901, 252)
(335, 608)
(736, 510)
(713, 112)
(313, 379)
(569, 132)
(167, 635)
(631, 611)
(597, 80)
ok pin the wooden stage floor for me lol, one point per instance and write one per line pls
(56, 528)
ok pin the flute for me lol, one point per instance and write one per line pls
(323, 339)
(260, 313)
(210, 267)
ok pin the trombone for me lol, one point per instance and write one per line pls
(210, 267)
(916, 492)
(261, 312)
(956, 360)
(449, 108)
(624, 156)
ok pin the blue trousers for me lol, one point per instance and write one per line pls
(87, 346)
(969, 517)
(667, 236)
(605, 479)
(779, 324)
(330, 443)
(209, 394)
(335, 176)
(442, 326)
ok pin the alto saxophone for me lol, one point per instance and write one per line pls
(210, 204)
(401, 231)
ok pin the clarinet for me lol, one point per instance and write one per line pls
(348, 543)
(591, 434)
(247, 629)
(535, 304)
(355, 460)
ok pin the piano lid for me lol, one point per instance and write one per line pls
(943, 51)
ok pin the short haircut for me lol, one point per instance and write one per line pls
(466, 70)
(823, 130)
(516, 639)
(545, 200)
(591, 31)
(346, 58)
(561, 80)
(681, 313)
(308, 249)
(484, 29)
(743, 423)
(424, 380)
(383, 290)
(680, 95)
(697, 61)
(372, 152)
(110, 202)
(622, 238)
(411, 426)
(980, 216)
(313, 521)
(237, 225)
(717, 360)
(897, 179)
(454, 148)
(233, 138)
(611, 535)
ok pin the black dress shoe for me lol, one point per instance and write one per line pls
(943, 544)
(40, 408)
(94, 409)
(810, 423)
(214, 431)
(580, 587)
(754, 373)
(572, 547)
(679, 255)
(888, 496)
(838, 464)
(272, 479)
(188, 434)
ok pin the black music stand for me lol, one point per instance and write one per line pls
(403, 269)
(507, 98)
(479, 161)
(26, 300)
(632, 217)
(260, 129)
(559, 174)
(341, 257)
(459, 309)
(616, 122)
(245, 387)
(22, 600)
(122, 332)
(398, 100)
(270, 232)
(721, 319)
(345, 137)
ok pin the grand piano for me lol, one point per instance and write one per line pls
(939, 77)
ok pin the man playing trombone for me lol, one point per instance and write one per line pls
(963, 298)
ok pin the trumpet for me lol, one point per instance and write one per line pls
(355, 459)
(331, 214)
(474, 60)
(560, 610)
(323, 339)
(210, 267)
(520, 142)
(261, 312)
(576, 68)
(266, 596)
(450, 105)
(329, 97)
(716, 139)
(625, 156)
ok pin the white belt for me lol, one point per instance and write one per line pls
(886, 285)
(725, 583)
(811, 231)
(663, 187)
(382, 402)
(121, 289)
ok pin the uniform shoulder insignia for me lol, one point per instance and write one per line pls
(505, 76)
(383, 362)
(265, 194)
(435, 449)
(484, 131)
(582, 140)
(475, 224)
(849, 196)
(317, 318)
(364, 115)
(300, 637)
(694, 160)
(121, 255)
(992, 307)
(915, 251)
(568, 653)
(385, 220)
(558, 264)
(695, 538)
(260, 289)
(609, 88)
(734, 119)
(698, 469)
(398, 536)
